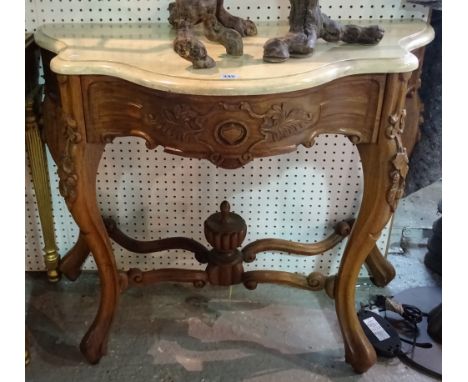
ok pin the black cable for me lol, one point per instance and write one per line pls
(412, 315)
(404, 358)
(424, 345)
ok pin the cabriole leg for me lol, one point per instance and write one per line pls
(77, 163)
(385, 165)
(86, 214)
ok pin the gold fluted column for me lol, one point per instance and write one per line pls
(38, 163)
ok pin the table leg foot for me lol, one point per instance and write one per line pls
(362, 357)
(94, 344)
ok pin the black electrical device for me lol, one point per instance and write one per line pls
(381, 334)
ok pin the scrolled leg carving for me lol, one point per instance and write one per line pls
(78, 163)
(93, 237)
(376, 209)
(87, 216)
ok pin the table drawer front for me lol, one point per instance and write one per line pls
(231, 131)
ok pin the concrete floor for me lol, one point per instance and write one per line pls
(175, 333)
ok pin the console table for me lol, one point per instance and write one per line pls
(105, 81)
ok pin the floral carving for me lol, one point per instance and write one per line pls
(181, 123)
(67, 170)
(396, 124)
(400, 160)
(280, 122)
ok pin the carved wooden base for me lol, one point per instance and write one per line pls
(218, 262)
(307, 24)
(225, 231)
(368, 108)
(225, 268)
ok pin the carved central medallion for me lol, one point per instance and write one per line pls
(231, 133)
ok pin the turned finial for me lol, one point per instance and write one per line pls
(225, 230)
(225, 208)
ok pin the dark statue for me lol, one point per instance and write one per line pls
(307, 24)
(218, 24)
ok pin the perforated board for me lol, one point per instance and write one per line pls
(64, 11)
(152, 195)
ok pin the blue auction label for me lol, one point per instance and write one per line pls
(229, 76)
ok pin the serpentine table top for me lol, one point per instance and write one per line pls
(143, 54)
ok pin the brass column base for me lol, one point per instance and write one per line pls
(51, 260)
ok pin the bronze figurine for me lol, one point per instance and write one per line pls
(219, 25)
(307, 24)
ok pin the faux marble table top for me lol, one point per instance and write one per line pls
(143, 54)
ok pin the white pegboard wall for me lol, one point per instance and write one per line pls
(133, 11)
(154, 195)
